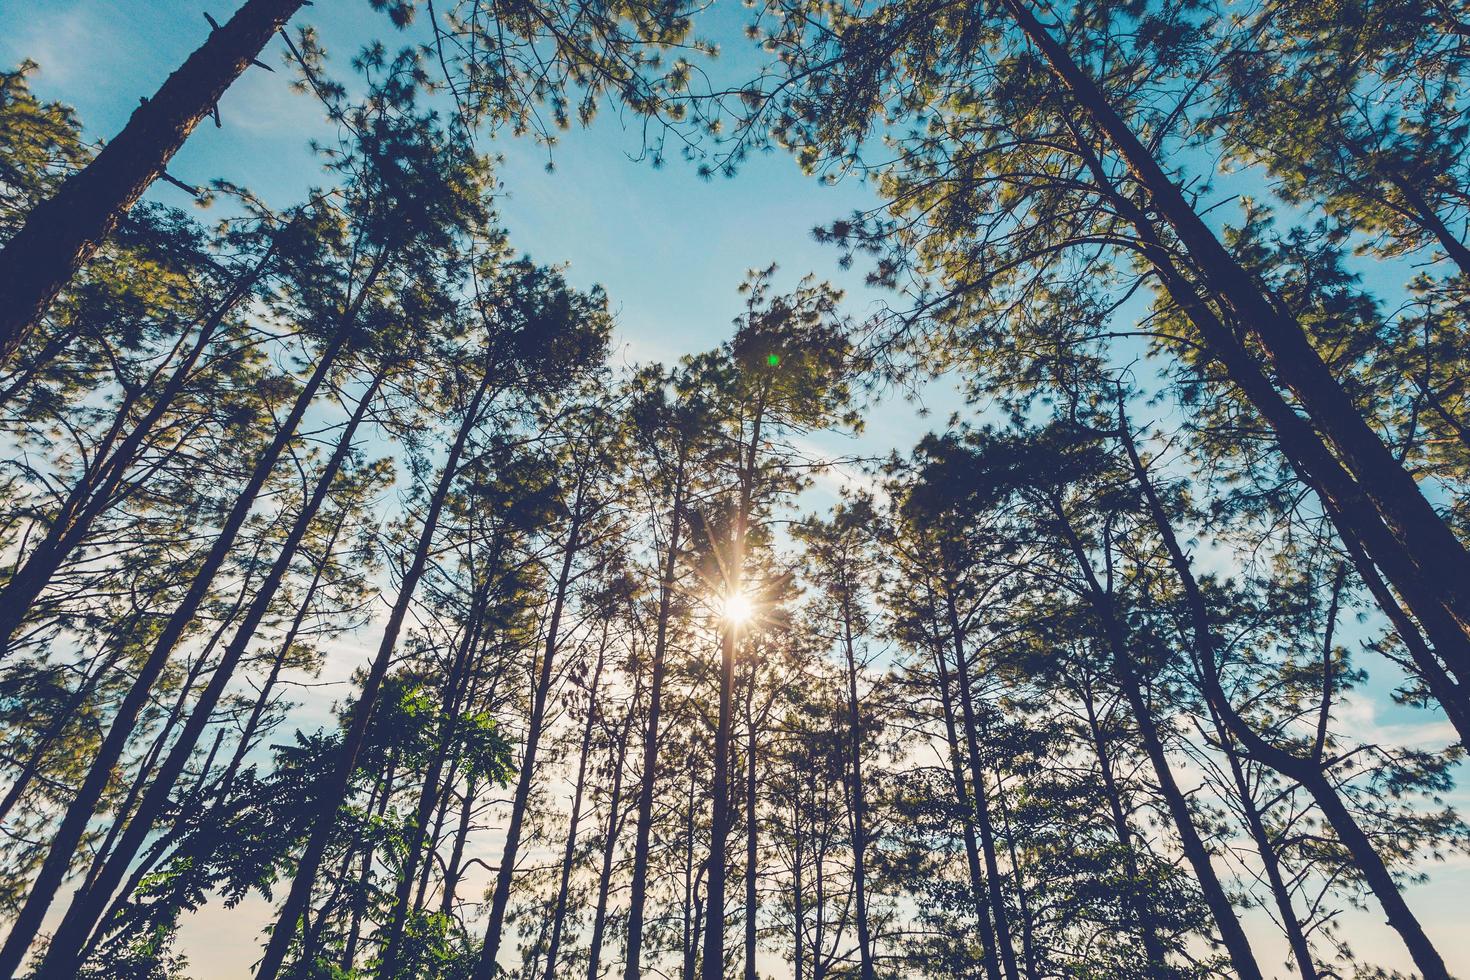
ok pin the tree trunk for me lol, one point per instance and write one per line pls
(88, 905)
(278, 663)
(632, 969)
(487, 966)
(79, 814)
(1195, 851)
(967, 818)
(1028, 946)
(689, 940)
(751, 838)
(609, 844)
(558, 919)
(859, 799)
(798, 900)
(455, 688)
(714, 927)
(365, 867)
(734, 584)
(981, 803)
(1344, 500)
(63, 232)
(90, 681)
(1148, 929)
(452, 870)
(94, 490)
(1433, 564)
(1304, 771)
(1301, 952)
(296, 901)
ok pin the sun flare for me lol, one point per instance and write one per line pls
(737, 609)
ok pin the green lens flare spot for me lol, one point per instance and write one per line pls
(773, 359)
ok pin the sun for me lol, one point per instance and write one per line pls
(737, 609)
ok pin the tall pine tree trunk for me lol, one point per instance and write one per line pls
(720, 818)
(752, 850)
(1138, 903)
(1307, 772)
(632, 969)
(981, 803)
(455, 688)
(79, 813)
(978, 893)
(295, 905)
(486, 966)
(96, 488)
(859, 799)
(1195, 851)
(67, 943)
(1430, 566)
(1291, 926)
(61, 233)
(609, 845)
(569, 851)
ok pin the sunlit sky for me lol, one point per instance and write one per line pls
(669, 247)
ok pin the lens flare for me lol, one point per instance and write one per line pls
(737, 609)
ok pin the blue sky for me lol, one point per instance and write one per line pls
(669, 248)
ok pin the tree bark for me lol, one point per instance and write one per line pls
(486, 966)
(1153, 946)
(1307, 772)
(752, 849)
(734, 584)
(79, 813)
(297, 899)
(63, 232)
(1346, 503)
(1291, 926)
(455, 688)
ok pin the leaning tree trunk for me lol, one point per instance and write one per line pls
(61, 233)
(284, 931)
(1424, 558)
(981, 801)
(1347, 504)
(486, 966)
(221, 790)
(1307, 772)
(1291, 926)
(84, 804)
(67, 943)
(96, 488)
(1195, 851)
(1142, 910)
(967, 818)
(92, 678)
(455, 688)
